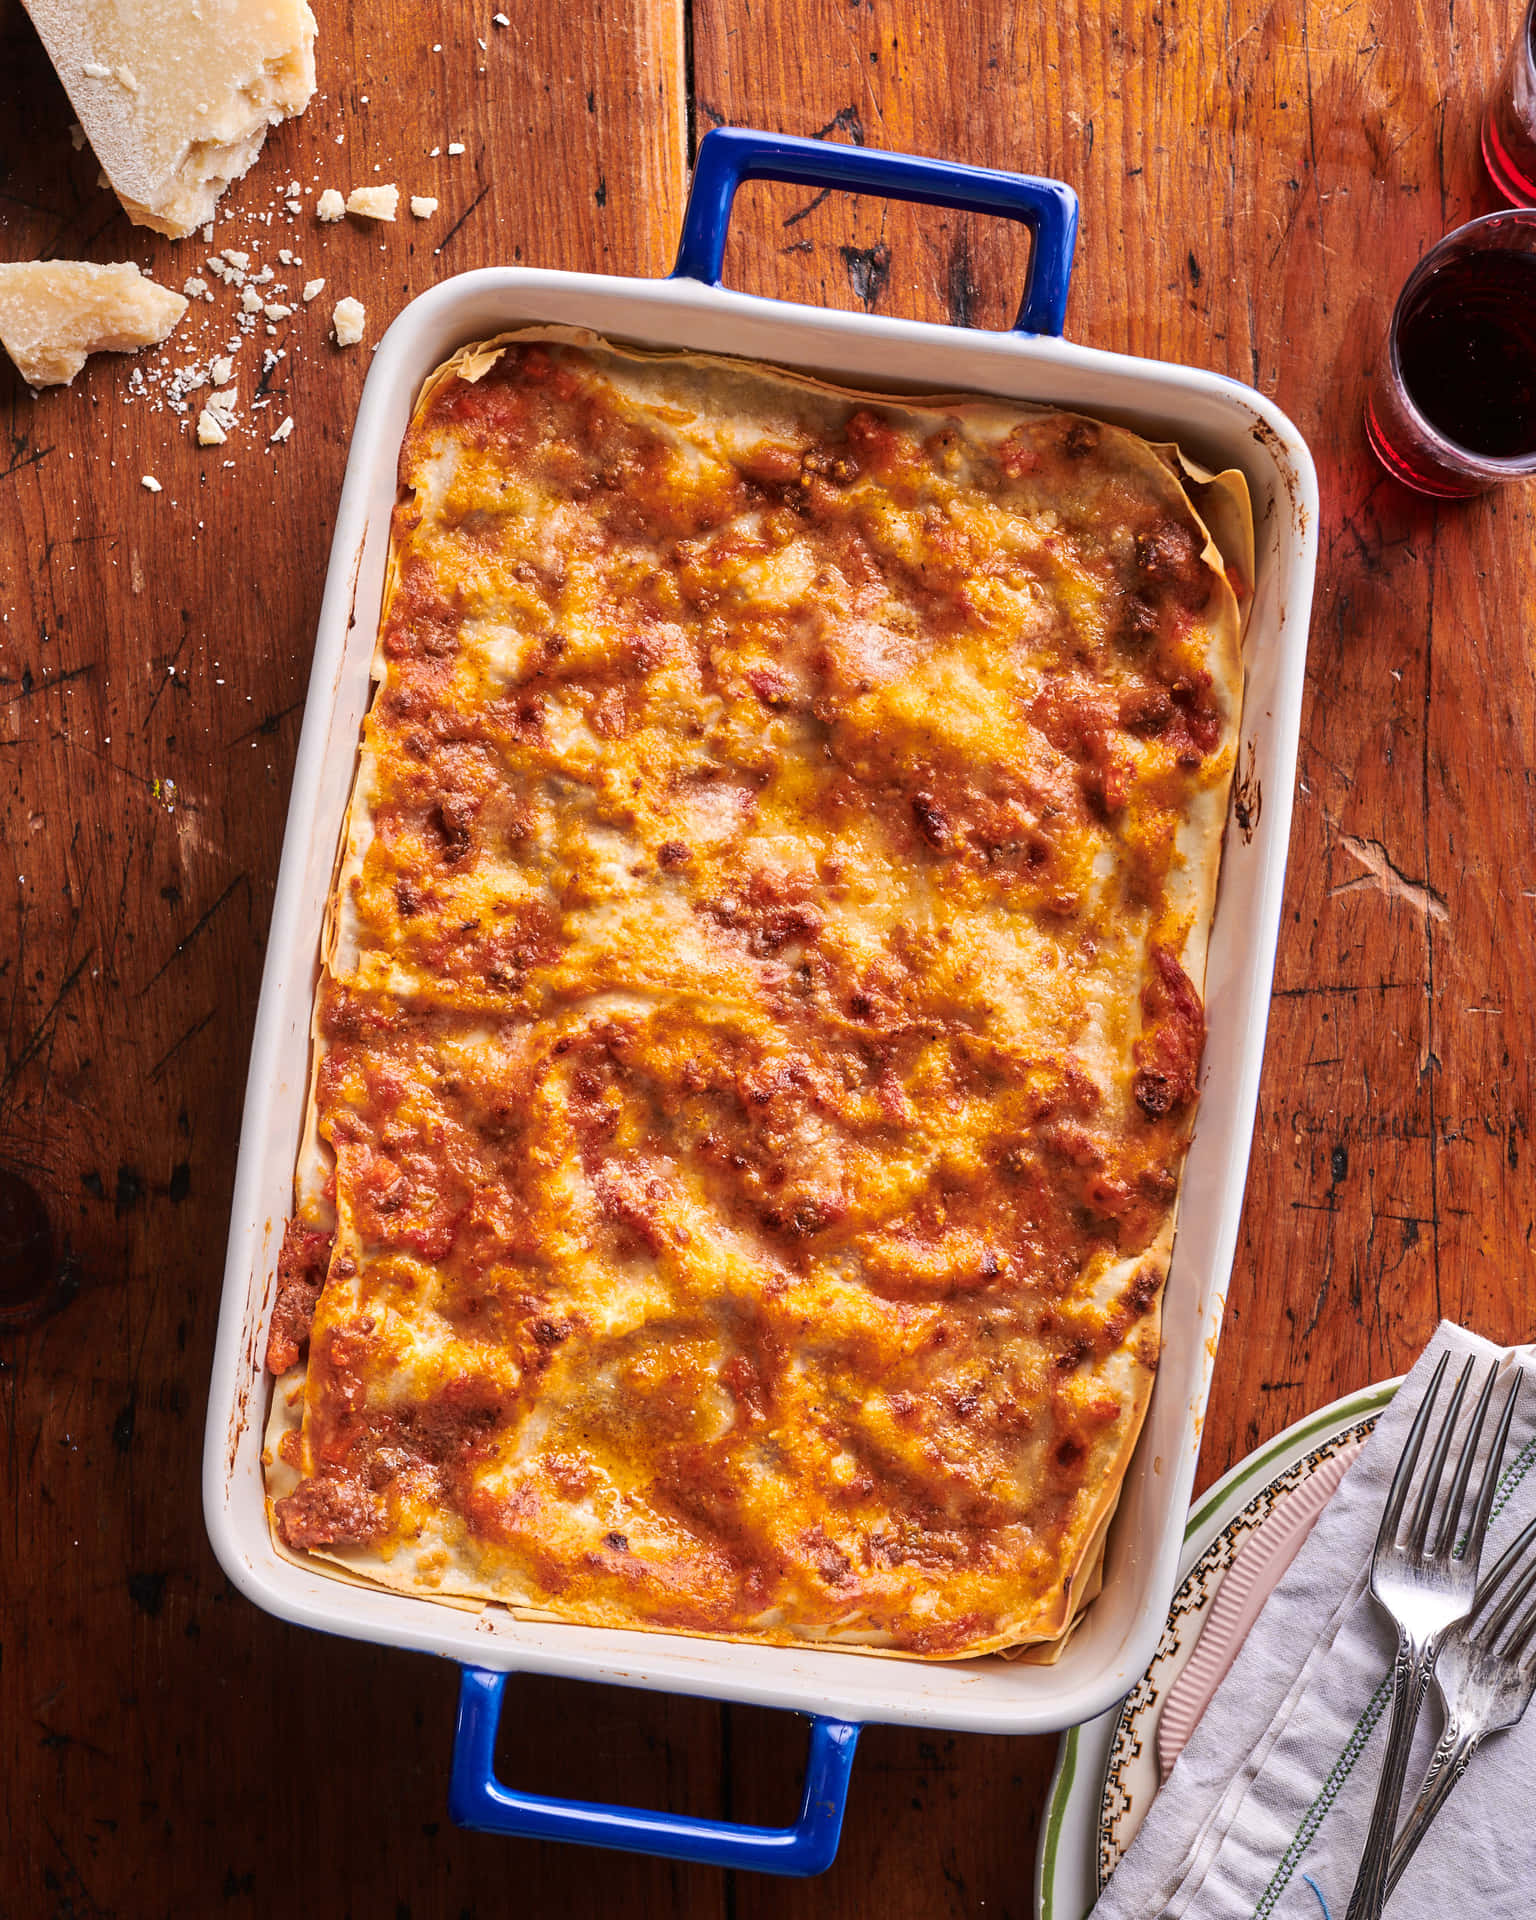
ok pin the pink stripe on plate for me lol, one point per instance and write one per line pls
(1253, 1576)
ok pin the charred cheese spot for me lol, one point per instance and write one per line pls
(756, 1046)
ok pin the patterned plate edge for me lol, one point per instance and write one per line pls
(1343, 1412)
(1235, 1525)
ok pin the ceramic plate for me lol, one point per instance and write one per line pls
(1107, 1769)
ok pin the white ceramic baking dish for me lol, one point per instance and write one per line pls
(1217, 422)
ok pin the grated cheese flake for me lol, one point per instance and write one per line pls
(348, 317)
(374, 203)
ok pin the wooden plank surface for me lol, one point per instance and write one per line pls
(164, 1746)
(1255, 186)
(1256, 183)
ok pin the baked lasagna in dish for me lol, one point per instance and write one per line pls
(760, 1017)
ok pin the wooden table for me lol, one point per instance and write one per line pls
(1256, 182)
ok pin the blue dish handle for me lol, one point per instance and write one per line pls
(729, 155)
(476, 1798)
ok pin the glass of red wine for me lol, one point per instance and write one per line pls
(1509, 126)
(1453, 408)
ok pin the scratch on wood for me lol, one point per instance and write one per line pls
(801, 213)
(1383, 875)
(39, 1034)
(442, 246)
(240, 880)
(176, 1046)
(26, 686)
(31, 459)
(267, 724)
(845, 120)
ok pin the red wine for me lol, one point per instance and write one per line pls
(1466, 348)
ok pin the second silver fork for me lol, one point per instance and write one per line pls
(1427, 1587)
(1486, 1676)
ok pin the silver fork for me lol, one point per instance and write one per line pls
(1426, 1588)
(1484, 1686)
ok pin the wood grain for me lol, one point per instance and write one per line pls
(1256, 183)
(165, 1746)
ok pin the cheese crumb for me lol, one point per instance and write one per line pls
(374, 203)
(423, 206)
(250, 300)
(330, 206)
(284, 430)
(455, 146)
(348, 317)
(275, 310)
(194, 288)
(236, 258)
(220, 371)
(210, 429)
(501, 20)
(152, 483)
(312, 288)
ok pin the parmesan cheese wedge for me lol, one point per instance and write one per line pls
(176, 96)
(55, 312)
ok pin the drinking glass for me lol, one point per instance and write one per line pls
(1509, 126)
(1452, 410)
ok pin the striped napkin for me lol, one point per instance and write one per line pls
(1265, 1812)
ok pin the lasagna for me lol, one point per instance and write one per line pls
(760, 1017)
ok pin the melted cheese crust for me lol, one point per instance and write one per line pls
(759, 1035)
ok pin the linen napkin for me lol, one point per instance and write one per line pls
(1265, 1812)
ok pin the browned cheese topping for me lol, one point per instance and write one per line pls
(760, 1031)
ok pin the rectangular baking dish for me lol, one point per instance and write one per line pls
(1219, 423)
